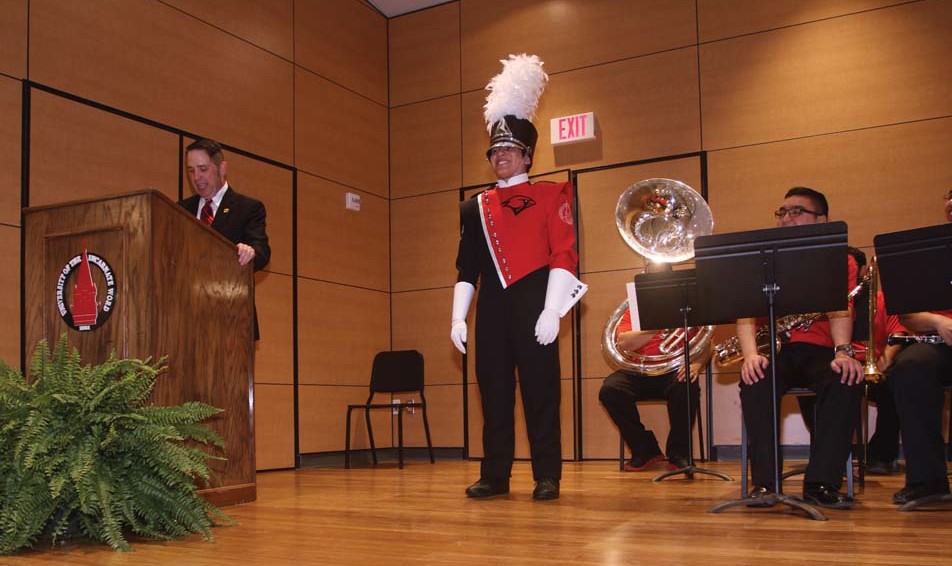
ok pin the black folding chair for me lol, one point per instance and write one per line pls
(398, 371)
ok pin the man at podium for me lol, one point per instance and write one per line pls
(237, 217)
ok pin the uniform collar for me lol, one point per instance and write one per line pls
(513, 181)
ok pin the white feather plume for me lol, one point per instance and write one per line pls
(516, 90)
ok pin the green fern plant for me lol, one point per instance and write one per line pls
(84, 453)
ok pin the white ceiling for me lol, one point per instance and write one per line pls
(391, 8)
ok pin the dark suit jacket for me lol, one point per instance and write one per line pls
(241, 219)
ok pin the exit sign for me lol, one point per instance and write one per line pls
(569, 129)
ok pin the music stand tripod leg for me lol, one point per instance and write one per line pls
(690, 469)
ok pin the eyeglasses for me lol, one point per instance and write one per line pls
(793, 211)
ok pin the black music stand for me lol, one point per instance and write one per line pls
(915, 269)
(664, 301)
(797, 269)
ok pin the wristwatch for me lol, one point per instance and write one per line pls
(846, 349)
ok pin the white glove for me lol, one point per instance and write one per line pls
(458, 335)
(547, 327)
(562, 292)
(462, 297)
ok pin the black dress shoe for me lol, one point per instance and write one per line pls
(825, 495)
(545, 489)
(914, 491)
(488, 487)
(758, 493)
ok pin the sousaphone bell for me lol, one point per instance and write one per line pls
(659, 219)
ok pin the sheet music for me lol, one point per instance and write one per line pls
(633, 307)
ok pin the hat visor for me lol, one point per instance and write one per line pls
(506, 143)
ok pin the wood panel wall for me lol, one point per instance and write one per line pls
(848, 97)
(10, 198)
(299, 85)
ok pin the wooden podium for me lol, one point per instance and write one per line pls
(156, 282)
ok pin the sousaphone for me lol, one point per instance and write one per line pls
(659, 219)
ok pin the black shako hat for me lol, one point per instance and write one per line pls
(512, 101)
(513, 132)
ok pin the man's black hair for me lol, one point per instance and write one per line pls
(819, 201)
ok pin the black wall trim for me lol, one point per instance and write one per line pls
(27, 89)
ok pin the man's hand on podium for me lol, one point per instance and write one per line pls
(245, 254)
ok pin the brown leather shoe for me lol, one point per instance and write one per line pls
(545, 489)
(488, 487)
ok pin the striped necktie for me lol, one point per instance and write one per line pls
(207, 215)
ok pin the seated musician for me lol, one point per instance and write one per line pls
(819, 357)
(621, 391)
(917, 379)
(883, 449)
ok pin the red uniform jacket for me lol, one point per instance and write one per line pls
(526, 227)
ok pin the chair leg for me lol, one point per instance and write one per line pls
(370, 433)
(426, 429)
(621, 453)
(863, 447)
(743, 459)
(400, 437)
(700, 438)
(347, 440)
(849, 475)
(948, 449)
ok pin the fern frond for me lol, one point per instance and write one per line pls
(86, 455)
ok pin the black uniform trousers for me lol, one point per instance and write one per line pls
(619, 395)
(800, 364)
(505, 342)
(917, 378)
(884, 444)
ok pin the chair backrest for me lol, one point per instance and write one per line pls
(400, 370)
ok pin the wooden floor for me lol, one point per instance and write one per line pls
(419, 515)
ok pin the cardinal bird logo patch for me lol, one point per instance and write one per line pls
(518, 203)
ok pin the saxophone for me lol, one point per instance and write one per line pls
(728, 352)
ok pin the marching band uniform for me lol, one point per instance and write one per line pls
(518, 241)
(529, 226)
